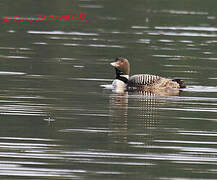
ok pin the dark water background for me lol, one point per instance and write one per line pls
(56, 122)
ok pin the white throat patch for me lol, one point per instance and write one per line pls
(126, 76)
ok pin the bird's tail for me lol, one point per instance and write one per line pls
(180, 82)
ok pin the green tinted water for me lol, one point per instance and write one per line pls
(56, 122)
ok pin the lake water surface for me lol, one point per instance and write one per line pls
(56, 122)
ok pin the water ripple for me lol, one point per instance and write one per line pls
(62, 33)
(183, 34)
(187, 28)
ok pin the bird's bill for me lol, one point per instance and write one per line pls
(114, 64)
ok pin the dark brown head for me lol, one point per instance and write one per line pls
(122, 66)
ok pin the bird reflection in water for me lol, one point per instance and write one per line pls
(134, 116)
(119, 117)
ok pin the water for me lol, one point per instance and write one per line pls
(56, 122)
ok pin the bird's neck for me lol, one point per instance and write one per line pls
(123, 78)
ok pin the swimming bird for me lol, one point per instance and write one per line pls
(141, 82)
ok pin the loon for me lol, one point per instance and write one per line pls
(140, 82)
